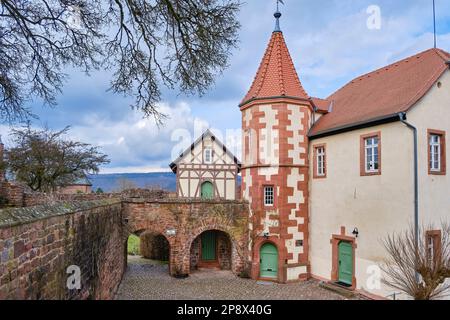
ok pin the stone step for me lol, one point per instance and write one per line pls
(335, 287)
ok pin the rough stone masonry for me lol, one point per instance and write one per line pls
(39, 244)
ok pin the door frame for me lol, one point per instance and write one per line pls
(255, 270)
(209, 263)
(335, 240)
(260, 258)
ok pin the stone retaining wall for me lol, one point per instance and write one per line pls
(38, 244)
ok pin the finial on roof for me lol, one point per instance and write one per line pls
(277, 16)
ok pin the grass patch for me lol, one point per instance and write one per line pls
(134, 243)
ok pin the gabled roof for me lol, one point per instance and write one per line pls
(207, 133)
(276, 76)
(82, 182)
(384, 92)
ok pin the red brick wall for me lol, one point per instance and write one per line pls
(75, 189)
(38, 244)
(190, 218)
(224, 254)
(154, 246)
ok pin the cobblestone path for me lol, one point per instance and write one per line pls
(149, 280)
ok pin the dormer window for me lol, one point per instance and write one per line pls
(209, 156)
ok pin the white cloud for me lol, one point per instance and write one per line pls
(135, 144)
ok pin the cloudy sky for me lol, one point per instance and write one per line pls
(330, 44)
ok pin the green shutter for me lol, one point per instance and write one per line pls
(269, 261)
(345, 263)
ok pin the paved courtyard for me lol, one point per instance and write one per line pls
(149, 280)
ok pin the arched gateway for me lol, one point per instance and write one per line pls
(211, 234)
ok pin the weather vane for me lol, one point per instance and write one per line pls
(278, 3)
(277, 16)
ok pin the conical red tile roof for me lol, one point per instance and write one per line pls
(276, 76)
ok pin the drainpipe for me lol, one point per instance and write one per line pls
(402, 117)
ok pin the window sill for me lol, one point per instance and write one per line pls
(374, 173)
(437, 173)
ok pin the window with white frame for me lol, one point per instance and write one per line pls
(435, 152)
(320, 161)
(209, 155)
(433, 246)
(430, 248)
(268, 196)
(372, 154)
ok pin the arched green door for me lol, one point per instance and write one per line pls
(345, 263)
(207, 191)
(268, 266)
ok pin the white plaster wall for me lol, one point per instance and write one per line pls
(378, 205)
(433, 112)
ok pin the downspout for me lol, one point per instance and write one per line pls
(402, 117)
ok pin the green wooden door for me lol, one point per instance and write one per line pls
(209, 246)
(269, 261)
(207, 190)
(345, 263)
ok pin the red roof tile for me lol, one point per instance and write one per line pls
(276, 75)
(386, 91)
(322, 105)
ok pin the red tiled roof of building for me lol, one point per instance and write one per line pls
(383, 92)
(323, 105)
(276, 76)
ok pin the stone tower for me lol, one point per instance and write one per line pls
(276, 117)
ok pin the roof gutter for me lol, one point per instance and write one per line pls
(272, 98)
(402, 117)
(355, 126)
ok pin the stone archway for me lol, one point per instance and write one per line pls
(154, 246)
(212, 249)
(236, 250)
(181, 222)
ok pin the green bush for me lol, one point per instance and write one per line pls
(134, 245)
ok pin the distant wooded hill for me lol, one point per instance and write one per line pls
(115, 182)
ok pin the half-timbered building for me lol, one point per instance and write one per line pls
(207, 170)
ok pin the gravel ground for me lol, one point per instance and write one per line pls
(149, 280)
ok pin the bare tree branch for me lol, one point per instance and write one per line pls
(405, 258)
(145, 44)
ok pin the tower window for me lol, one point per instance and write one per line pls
(268, 196)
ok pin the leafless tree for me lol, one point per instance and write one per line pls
(430, 259)
(143, 43)
(45, 160)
